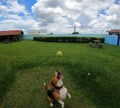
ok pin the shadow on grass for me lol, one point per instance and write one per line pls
(5, 83)
(102, 90)
(8, 78)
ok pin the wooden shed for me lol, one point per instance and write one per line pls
(11, 35)
(113, 37)
(114, 32)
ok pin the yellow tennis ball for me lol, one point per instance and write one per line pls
(59, 54)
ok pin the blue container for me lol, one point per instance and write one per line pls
(112, 39)
(119, 40)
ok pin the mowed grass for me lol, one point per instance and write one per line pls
(26, 65)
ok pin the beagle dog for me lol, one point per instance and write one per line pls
(56, 90)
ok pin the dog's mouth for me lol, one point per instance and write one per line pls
(58, 74)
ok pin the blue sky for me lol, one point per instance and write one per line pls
(59, 16)
(28, 4)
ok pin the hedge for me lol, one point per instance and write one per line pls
(69, 39)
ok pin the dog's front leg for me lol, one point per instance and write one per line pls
(50, 101)
(68, 94)
(62, 103)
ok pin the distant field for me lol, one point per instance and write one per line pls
(26, 65)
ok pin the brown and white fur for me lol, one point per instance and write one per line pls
(56, 90)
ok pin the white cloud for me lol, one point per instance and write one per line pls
(15, 7)
(11, 19)
(85, 12)
(113, 14)
(59, 16)
(12, 6)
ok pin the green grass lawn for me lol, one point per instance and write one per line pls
(26, 65)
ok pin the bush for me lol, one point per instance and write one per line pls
(68, 39)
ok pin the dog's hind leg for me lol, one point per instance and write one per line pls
(50, 101)
(57, 98)
(62, 103)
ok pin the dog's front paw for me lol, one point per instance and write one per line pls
(51, 104)
(69, 96)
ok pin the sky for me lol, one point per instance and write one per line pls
(60, 16)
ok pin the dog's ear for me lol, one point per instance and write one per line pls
(55, 74)
(50, 87)
(54, 81)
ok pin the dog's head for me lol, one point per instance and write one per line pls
(56, 78)
(58, 75)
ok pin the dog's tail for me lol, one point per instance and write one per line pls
(45, 85)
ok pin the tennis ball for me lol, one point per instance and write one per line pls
(59, 54)
(88, 73)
